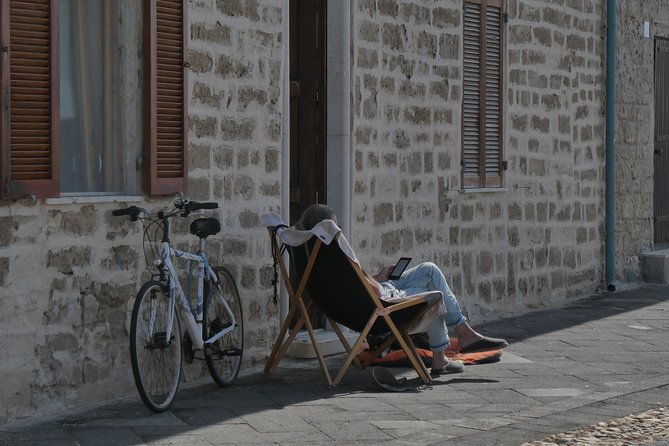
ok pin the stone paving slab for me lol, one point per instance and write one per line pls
(594, 360)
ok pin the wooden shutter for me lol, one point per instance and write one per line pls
(482, 94)
(30, 115)
(492, 90)
(471, 103)
(166, 86)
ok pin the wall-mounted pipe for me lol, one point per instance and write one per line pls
(610, 229)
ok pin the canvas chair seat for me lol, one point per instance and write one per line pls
(328, 271)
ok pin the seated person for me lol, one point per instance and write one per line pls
(424, 277)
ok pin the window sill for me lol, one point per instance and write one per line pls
(94, 199)
(483, 190)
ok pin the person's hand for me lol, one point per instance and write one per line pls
(384, 274)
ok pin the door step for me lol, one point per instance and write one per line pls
(328, 344)
(655, 266)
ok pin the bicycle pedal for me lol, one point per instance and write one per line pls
(232, 352)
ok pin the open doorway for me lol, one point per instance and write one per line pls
(308, 150)
(307, 105)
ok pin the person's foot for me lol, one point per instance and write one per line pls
(483, 344)
(448, 368)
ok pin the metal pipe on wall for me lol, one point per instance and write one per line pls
(610, 228)
(285, 141)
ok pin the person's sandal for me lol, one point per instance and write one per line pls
(485, 344)
(448, 368)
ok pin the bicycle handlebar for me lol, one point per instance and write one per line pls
(132, 211)
(192, 206)
(183, 208)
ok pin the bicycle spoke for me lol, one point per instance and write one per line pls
(224, 356)
(156, 354)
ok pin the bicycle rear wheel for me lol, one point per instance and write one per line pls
(224, 356)
(154, 353)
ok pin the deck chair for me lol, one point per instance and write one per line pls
(329, 272)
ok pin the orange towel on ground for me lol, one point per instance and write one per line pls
(397, 358)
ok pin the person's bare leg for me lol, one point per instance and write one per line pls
(441, 365)
(466, 335)
(438, 360)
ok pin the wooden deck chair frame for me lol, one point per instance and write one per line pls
(297, 304)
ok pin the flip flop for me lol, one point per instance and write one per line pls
(485, 344)
(383, 380)
(448, 368)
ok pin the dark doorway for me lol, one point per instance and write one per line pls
(307, 111)
(307, 105)
(661, 190)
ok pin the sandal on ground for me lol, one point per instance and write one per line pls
(448, 368)
(484, 344)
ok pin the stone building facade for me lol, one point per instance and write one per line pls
(635, 130)
(538, 239)
(69, 270)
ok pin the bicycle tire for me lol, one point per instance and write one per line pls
(224, 358)
(156, 357)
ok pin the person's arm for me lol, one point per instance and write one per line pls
(384, 274)
(376, 286)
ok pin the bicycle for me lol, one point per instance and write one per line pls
(214, 325)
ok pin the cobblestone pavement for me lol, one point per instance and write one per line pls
(593, 361)
(637, 429)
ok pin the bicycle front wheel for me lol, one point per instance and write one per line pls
(155, 353)
(223, 356)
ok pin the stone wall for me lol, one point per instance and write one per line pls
(69, 270)
(635, 130)
(236, 54)
(537, 241)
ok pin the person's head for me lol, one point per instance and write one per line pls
(315, 214)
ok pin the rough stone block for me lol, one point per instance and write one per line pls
(233, 130)
(82, 222)
(202, 126)
(394, 36)
(446, 17)
(655, 266)
(64, 259)
(368, 31)
(217, 33)
(388, 8)
(199, 61)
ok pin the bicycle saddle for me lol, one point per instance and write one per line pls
(204, 227)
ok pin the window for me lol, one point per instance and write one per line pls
(62, 120)
(482, 154)
(89, 159)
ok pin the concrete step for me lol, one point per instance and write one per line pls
(655, 266)
(328, 343)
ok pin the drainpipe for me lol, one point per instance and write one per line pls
(610, 144)
(285, 143)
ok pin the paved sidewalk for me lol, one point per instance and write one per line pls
(597, 359)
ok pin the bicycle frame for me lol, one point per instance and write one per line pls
(193, 321)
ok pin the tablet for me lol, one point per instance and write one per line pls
(399, 268)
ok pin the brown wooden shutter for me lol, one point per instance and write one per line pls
(493, 95)
(166, 86)
(471, 103)
(482, 94)
(30, 116)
